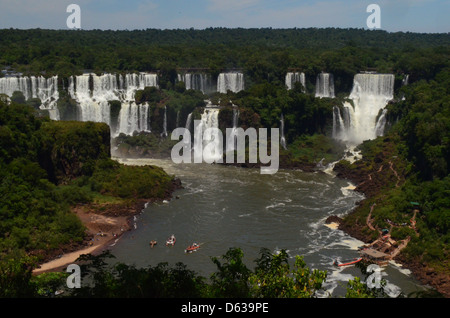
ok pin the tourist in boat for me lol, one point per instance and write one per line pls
(347, 262)
(192, 248)
(171, 240)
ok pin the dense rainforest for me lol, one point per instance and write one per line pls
(407, 171)
(37, 162)
(47, 167)
(263, 54)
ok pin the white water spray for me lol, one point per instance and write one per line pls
(46, 89)
(233, 81)
(282, 138)
(94, 101)
(232, 141)
(325, 85)
(198, 81)
(370, 94)
(294, 77)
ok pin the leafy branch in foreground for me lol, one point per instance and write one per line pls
(273, 277)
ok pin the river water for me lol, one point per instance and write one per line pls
(222, 207)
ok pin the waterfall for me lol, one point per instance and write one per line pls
(127, 118)
(189, 121)
(338, 123)
(46, 89)
(92, 93)
(132, 117)
(8, 85)
(294, 77)
(232, 141)
(381, 123)
(164, 133)
(405, 81)
(340, 127)
(93, 102)
(144, 118)
(233, 81)
(235, 117)
(325, 85)
(209, 119)
(370, 94)
(282, 139)
(197, 81)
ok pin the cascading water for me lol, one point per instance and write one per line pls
(325, 85)
(94, 101)
(381, 124)
(189, 121)
(46, 89)
(358, 122)
(233, 81)
(198, 81)
(294, 77)
(164, 133)
(282, 138)
(203, 138)
(405, 82)
(338, 123)
(8, 85)
(93, 104)
(232, 140)
(370, 94)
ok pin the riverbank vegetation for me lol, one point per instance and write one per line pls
(274, 276)
(48, 167)
(406, 174)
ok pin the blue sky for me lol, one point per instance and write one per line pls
(396, 15)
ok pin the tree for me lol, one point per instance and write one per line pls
(231, 279)
(123, 281)
(18, 97)
(357, 289)
(15, 277)
(273, 277)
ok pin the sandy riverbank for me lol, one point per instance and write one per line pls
(102, 229)
(105, 223)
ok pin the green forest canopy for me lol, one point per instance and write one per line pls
(421, 131)
(263, 54)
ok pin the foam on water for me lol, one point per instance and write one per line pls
(347, 190)
(257, 212)
(276, 205)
